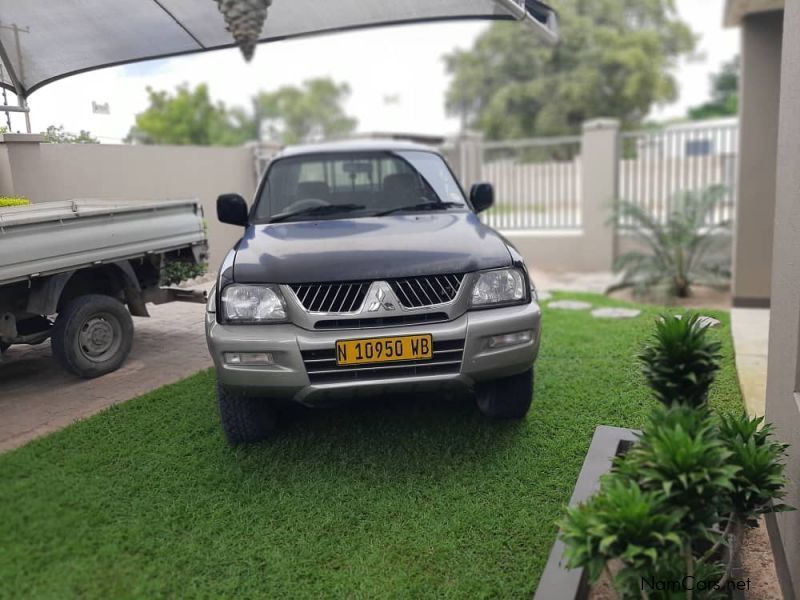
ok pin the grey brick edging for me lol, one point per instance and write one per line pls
(558, 582)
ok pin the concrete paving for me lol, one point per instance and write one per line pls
(750, 330)
(38, 397)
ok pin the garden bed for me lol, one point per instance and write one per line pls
(390, 497)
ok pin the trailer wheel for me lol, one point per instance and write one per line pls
(92, 336)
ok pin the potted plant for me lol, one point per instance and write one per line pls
(669, 518)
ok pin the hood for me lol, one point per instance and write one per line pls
(368, 249)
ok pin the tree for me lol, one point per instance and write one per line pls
(314, 110)
(189, 117)
(57, 135)
(724, 94)
(614, 60)
(289, 115)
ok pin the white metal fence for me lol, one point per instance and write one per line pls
(537, 183)
(657, 165)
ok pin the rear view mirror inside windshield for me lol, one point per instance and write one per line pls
(357, 167)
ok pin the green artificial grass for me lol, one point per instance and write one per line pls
(383, 498)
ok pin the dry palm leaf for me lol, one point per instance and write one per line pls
(244, 19)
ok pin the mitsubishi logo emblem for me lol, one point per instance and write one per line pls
(380, 296)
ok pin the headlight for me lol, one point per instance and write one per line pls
(253, 303)
(503, 286)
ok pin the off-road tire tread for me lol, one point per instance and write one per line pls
(507, 398)
(244, 419)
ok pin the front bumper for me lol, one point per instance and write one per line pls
(288, 378)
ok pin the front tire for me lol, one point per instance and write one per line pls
(244, 419)
(507, 398)
(92, 335)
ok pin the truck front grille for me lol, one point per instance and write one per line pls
(331, 297)
(322, 368)
(348, 297)
(416, 292)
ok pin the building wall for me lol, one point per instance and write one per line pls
(783, 378)
(760, 86)
(45, 172)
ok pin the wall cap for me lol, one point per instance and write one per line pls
(21, 138)
(601, 124)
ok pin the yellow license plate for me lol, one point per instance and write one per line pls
(382, 350)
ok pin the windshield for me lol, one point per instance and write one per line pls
(316, 186)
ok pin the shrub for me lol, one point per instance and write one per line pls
(6, 201)
(681, 360)
(177, 271)
(687, 488)
(760, 479)
(679, 250)
(681, 454)
(624, 522)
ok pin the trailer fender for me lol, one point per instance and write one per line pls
(46, 292)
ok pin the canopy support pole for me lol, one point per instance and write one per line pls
(22, 100)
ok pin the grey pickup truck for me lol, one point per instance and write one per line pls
(75, 271)
(364, 269)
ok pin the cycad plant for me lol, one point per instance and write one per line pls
(678, 253)
(681, 360)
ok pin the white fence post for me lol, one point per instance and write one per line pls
(465, 154)
(600, 187)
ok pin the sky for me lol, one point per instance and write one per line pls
(396, 75)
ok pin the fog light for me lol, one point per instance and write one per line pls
(510, 339)
(249, 358)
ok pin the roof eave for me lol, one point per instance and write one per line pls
(737, 10)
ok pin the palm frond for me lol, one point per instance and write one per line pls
(681, 251)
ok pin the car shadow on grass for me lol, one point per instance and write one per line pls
(394, 437)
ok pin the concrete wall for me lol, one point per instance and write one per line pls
(760, 88)
(783, 378)
(57, 172)
(44, 172)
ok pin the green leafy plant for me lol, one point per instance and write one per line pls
(679, 252)
(759, 482)
(624, 522)
(707, 478)
(681, 454)
(178, 271)
(681, 360)
(6, 201)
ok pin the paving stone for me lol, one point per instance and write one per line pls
(544, 296)
(615, 313)
(38, 397)
(570, 305)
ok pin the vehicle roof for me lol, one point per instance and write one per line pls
(373, 145)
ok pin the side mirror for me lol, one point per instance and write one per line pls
(232, 209)
(481, 196)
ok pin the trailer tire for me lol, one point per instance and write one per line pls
(92, 335)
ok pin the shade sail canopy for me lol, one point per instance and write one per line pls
(45, 40)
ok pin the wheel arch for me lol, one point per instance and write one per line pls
(48, 294)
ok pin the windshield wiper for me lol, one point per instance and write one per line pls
(328, 209)
(421, 206)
